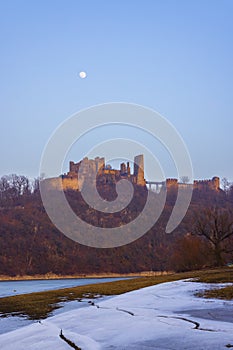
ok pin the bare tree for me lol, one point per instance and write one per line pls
(230, 193)
(4, 188)
(13, 187)
(19, 183)
(216, 225)
(36, 183)
(184, 179)
(226, 185)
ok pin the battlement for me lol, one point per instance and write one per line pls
(171, 182)
(213, 184)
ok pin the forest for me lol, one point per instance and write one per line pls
(30, 244)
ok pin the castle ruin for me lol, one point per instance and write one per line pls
(79, 172)
(104, 174)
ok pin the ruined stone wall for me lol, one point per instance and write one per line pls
(139, 170)
(171, 183)
(59, 183)
(216, 182)
(87, 165)
(213, 184)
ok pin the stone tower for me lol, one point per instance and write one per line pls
(139, 170)
(216, 183)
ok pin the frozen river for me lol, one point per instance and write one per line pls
(8, 288)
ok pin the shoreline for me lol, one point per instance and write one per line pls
(37, 305)
(51, 276)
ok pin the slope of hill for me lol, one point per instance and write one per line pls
(30, 244)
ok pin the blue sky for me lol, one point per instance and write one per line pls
(173, 56)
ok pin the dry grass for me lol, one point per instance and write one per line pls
(40, 305)
(225, 293)
(224, 275)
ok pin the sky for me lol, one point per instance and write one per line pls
(172, 56)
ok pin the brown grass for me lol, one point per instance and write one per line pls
(225, 293)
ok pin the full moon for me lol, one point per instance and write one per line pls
(82, 75)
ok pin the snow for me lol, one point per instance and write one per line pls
(150, 318)
(11, 323)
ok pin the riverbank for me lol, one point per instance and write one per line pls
(41, 304)
(52, 276)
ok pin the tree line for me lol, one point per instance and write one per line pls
(14, 188)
